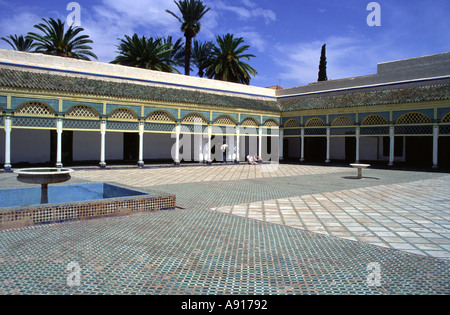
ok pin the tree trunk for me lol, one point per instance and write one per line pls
(187, 56)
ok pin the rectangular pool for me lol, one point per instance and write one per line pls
(21, 207)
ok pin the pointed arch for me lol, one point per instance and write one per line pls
(315, 122)
(250, 122)
(374, 120)
(82, 111)
(225, 120)
(413, 118)
(271, 123)
(160, 116)
(291, 123)
(34, 109)
(194, 118)
(123, 114)
(446, 119)
(342, 121)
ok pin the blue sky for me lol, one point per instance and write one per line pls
(285, 35)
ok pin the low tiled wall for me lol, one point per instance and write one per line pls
(54, 213)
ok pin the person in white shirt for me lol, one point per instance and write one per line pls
(224, 149)
(250, 159)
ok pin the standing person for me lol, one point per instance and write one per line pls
(224, 149)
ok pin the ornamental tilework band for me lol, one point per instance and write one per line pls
(34, 122)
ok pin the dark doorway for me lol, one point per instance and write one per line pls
(131, 147)
(419, 151)
(315, 149)
(350, 150)
(66, 147)
(444, 152)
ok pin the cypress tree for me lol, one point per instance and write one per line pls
(323, 65)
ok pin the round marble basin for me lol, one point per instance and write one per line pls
(43, 177)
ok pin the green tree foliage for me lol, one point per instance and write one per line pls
(323, 65)
(146, 53)
(19, 43)
(58, 42)
(226, 63)
(201, 56)
(192, 11)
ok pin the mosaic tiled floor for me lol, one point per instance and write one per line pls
(203, 251)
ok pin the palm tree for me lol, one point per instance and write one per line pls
(58, 42)
(145, 53)
(19, 43)
(178, 51)
(192, 11)
(226, 61)
(201, 56)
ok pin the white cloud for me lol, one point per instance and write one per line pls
(249, 11)
(253, 39)
(346, 57)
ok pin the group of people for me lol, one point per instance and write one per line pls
(254, 159)
(251, 159)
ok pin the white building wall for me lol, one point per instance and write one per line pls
(158, 146)
(337, 148)
(32, 146)
(86, 146)
(368, 148)
(114, 146)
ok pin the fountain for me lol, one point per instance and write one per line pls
(20, 207)
(43, 177)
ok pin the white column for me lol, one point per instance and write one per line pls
(280, 144)
(59, 143)
(209, 160)
(328, 146)
(103, 144)
(141, 144)
(391, 145)
(238, 143)
(358, 132)
(177, 144)
(7, 143)
(435, 145)
(302, 145)
(260, 141)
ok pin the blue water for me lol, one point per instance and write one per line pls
(64, 193)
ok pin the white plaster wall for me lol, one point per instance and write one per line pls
(86, 146)
(94, 67)
(368, 148)
(32, 146)
(158, 146)
(337, 148)
(114, 146)
(2, 146)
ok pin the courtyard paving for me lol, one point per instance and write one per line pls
(244, 229)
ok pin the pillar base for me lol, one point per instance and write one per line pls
(209, 163)
(328, 161)
(141, 164)
(59, 165)
(102, 165)
(176, 163)
(8, 168)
